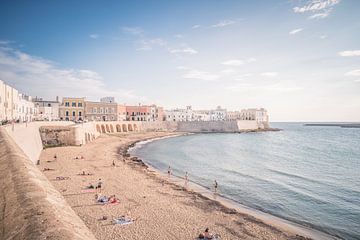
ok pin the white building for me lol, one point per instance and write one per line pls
(259, 115)
(201, 115)
(219, 114)
(107, 100)
(26, 108)
(233, 115)
(179, 115)
(9, 99)
(47, 110)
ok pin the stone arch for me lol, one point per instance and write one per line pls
(103, 129)
(118, 128)
(124, 128)
(111, 128)
(135, 127)
(130, 127)
(98, 128)
(107, 128)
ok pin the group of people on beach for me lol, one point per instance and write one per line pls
(186, 178)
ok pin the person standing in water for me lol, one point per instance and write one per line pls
(169, 171)
(215, 186)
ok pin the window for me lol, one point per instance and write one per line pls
(67, 104)
(73, 104)
(79, 114)
(101, 110)
(73, 114)
(106, 110)
(49, 105)
(67, 113)
(80, 104)
(94, 110)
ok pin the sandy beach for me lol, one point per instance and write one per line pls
(162, 210)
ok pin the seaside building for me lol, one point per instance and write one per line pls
(219, 114)
(101, 111)
(201, 115)
(26, 108)
(179, 115)
(258, 114)
(47, 110)
(121, 112)
(233, 115)
(9, 100)
(148, 113)
(72, 109)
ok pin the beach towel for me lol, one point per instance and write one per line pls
(88, 190)
(123, 221)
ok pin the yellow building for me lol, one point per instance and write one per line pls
(72, 109)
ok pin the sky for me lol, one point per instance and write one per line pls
(299, 59)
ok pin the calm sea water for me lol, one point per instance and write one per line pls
(308, 175)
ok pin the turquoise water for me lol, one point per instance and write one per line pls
(308, 175)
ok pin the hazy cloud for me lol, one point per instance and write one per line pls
(355, 72)
(320, 8)
(40, 77)
(295, 31)
(223, 23)
(94, 36)
(269, 74)
(133, 30)
(352, 53)
(238, 62)
(186, 50)
(149, 44)
(201, 75)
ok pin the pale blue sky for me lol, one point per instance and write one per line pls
(299, 59)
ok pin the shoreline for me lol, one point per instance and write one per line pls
(162, 209)
(228, 205)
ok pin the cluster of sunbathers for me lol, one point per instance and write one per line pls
(105, 200)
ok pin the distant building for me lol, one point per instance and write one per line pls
(144, 113)
(72, 109)
(259, 115)
(47, 110)
(101, 111)
(26, 108)
(233, 115)
(9, 100)
(219, 114)
(179, 115)
(201, 115)
(107, 100)
(121, 112)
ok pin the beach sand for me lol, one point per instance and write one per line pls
(162, 210)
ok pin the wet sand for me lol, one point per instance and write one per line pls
(162, 209)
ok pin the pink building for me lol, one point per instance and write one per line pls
(144, 113)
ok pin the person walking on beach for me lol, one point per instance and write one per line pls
(113, 163)
(55, 157)
(215, 186)
(99, 185)
(186, 179)
(169, 171)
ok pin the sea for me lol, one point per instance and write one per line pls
(309, 175)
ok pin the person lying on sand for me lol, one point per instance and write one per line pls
(90, 186)
(124, 220)
(104, 199)
(62, 178)
(85, 174)
(48, 169)
(207, 235)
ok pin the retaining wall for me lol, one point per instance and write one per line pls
(30, 206)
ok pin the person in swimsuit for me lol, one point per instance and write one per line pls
(215, 186)
(169, 171)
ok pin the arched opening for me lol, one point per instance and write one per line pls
(111, 128)
(118, 128)
(124, 129)
(103, 129)
(98, 128)
(88, 136)
(107, 128)
(130, 128)
(135, 127)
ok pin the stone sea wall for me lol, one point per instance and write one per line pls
(30, 206)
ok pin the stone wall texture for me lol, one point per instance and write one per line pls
(30, 206)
